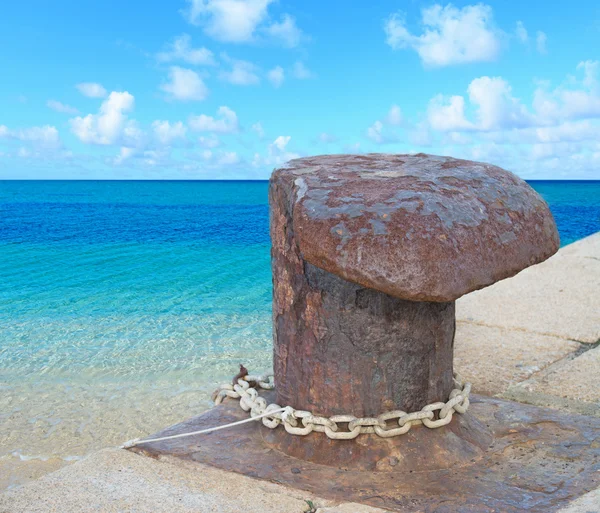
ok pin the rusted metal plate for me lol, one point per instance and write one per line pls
(461, 442)
(539, 460)
(418, 227)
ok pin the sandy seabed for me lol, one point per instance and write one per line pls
(47, 423)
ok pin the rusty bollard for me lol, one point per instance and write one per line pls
(369, 254)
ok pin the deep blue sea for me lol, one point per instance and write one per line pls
(128, 284)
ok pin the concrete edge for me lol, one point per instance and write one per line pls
(582, 340)
(519, 394)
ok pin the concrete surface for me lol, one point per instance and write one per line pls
(587, 247)
(115, 480)
(559, 297)
(532, 338)
(520, 394)
(588, 503)
(493, 358)
(577, 378)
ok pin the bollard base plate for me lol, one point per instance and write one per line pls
(462, 442)
(538, 460)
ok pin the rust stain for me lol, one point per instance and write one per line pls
(419, 227)
(526, 470)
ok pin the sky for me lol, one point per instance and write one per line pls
(231, 89)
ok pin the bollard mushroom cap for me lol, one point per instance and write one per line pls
(417, 227)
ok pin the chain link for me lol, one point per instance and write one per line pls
(302, 423)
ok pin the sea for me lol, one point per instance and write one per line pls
(123, 304)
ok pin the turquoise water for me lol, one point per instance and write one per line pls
(147, 278)
(132, 278)
(123, 304)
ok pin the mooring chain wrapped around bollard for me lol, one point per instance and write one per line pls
(301, 422)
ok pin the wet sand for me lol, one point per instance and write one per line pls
(48, 423)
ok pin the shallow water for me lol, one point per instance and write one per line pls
(123, 304)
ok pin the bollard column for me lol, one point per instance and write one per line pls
(345, 349)
(369, 254)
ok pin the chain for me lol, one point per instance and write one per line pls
(301, 422)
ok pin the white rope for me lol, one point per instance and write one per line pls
(138, 441)
(299, 422)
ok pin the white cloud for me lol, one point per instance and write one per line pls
(286, 31)
(258, 128)
(221, 159)
(456, 138)
(46, 136)
(232, 21)
(379, 132)
(523, 36)
(91, 90)
(152, 158)
(276, 76)
(590, 74)
(497, 108)
(300, 71)
(124, 154)
(374, 132)
(451, 35)
(448, 114)
(277, 153)
(503, 119)
(61, 107)
(491, 98)
(570, 131)
(41, 137)
(209, 142)
(554, 136)
(394, 116)
(281, 142)
(135, 157)
(228, 158)
(185, 85)
(166, 133)
(239, 21)
(226, 123)
(556, 160)
(181, 50)
(242, 73)
(551, 151)
(521, 32)
(540, 42)
(576, 99)
(110, 125)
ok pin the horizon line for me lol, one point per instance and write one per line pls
(229, 179)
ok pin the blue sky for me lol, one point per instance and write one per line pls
(197, 89)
